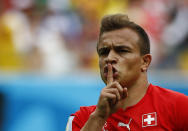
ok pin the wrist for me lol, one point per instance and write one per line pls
(99, 115)
(94, 123)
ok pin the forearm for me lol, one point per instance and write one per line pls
(94, 123)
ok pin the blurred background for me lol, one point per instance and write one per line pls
(48, 59)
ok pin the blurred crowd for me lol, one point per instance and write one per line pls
(60, 36)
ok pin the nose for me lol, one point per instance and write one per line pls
(111, 58)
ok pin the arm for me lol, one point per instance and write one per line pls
(110, 100)
(94, 123)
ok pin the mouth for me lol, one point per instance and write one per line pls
(114, 70)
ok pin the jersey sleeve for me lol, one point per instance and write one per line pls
(182, 112)
(77, 120)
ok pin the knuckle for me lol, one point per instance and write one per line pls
(102, 94)
(116, 91)
(116, 83)
(113, 96)
(111, 85)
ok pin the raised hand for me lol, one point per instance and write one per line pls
(111, 97)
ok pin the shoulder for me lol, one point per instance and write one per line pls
(85, 110)
(77, 120)
(167, 98)
(167, 93)
(177, 104)
(83, 114)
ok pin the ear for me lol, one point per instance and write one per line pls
(146, 60)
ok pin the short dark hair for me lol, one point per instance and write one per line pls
(119, 21)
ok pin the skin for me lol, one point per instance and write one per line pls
(124, 70)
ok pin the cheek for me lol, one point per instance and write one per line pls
(100, 63)
(131, 63)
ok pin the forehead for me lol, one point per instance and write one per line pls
(123, 36)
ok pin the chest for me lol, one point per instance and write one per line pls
(139, 120)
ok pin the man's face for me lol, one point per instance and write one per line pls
(120, 49)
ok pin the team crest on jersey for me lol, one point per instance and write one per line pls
(149, 119)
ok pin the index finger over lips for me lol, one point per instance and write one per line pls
(110, 74)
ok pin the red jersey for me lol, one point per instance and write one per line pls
(159, 110)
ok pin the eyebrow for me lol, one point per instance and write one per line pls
(122, 47)
(116, 47)
(103, 48)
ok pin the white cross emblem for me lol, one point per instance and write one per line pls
(149, 119)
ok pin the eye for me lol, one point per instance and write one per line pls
(103, 51)
(122, 50)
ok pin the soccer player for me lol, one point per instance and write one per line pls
(129, 101)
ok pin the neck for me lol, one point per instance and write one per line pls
(136, 92)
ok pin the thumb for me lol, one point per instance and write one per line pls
(125, 93)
